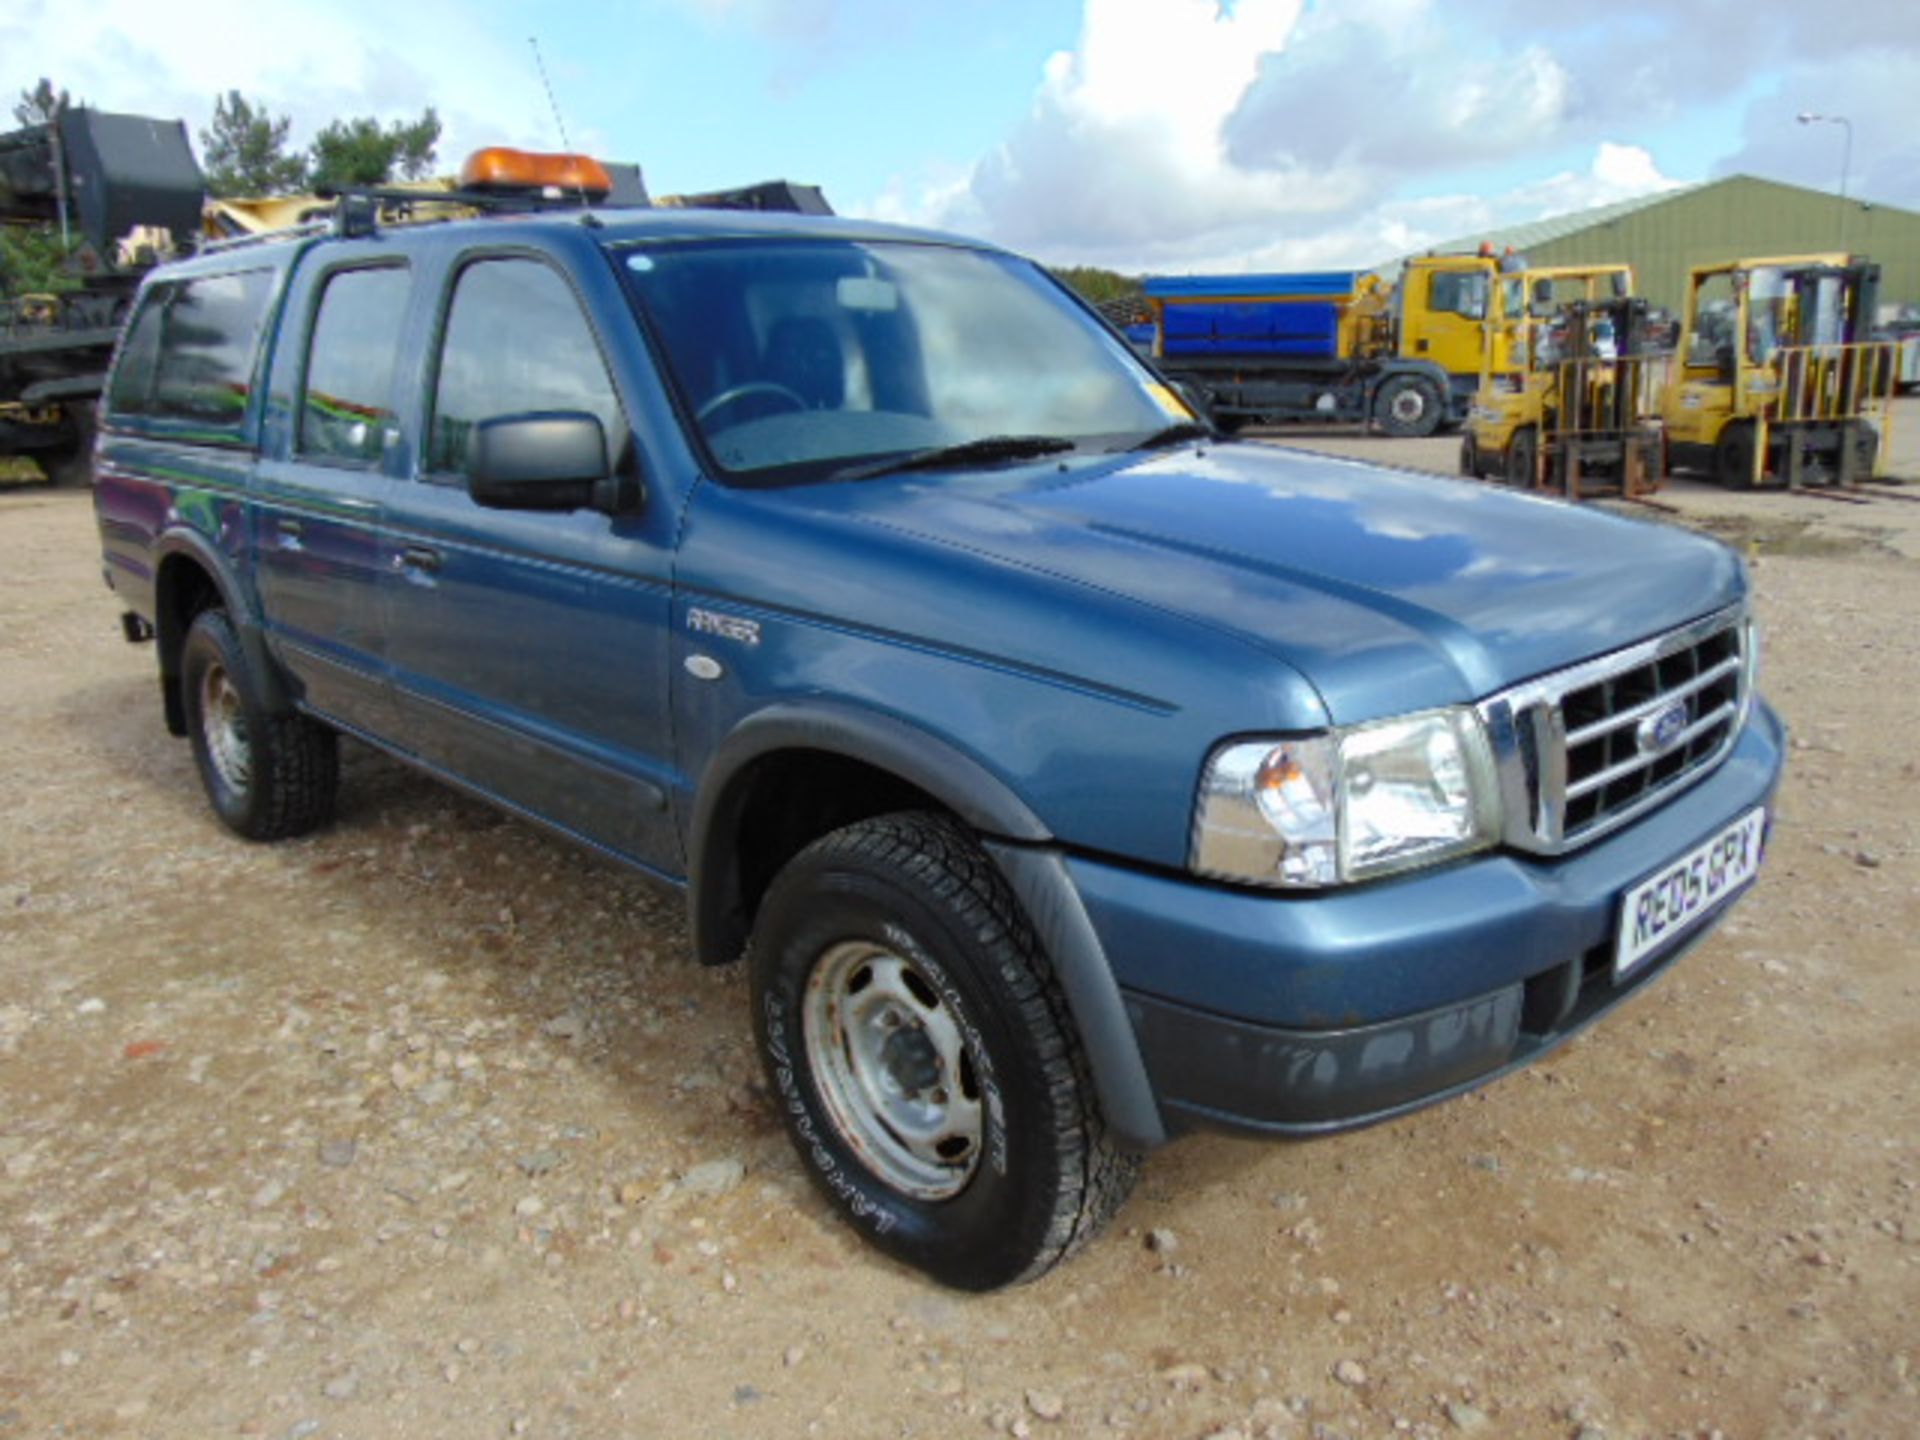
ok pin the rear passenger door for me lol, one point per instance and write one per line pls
(329, 456)
(529, 648)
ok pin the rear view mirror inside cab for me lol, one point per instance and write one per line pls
(863, 292)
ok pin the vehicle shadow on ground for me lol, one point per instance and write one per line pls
(592, 960)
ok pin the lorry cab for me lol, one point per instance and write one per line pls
(1447, 304)
(1774, 379)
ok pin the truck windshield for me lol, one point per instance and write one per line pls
(806, 359)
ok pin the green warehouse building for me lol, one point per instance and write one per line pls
(1663, 236)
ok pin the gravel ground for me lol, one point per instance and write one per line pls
(428, 1125)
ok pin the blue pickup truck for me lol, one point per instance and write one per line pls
(1067, 776)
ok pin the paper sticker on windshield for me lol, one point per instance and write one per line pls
(1171, 405)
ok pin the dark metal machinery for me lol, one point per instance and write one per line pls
(1598, 440)
(97, 177)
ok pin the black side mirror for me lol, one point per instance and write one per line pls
(545, 460)
(1196, 399)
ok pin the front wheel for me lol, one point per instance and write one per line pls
(923, 1056)
(268, 776)
(1522, 464)
(1407, 408)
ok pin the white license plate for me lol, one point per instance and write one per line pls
(1661, 909)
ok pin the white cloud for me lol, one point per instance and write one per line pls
(1387, 87)
(315, 60)
(1618, 172)
(1192, 135)
(1122, 150)
(1187, 135)
(1874, 90)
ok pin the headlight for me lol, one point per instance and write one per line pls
(1347, 804)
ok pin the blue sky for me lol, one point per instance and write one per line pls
(1174, 135)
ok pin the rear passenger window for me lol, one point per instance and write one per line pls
(347, 402)
(190, 354)
(515, 342)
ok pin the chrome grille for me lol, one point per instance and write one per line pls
(1585, 750)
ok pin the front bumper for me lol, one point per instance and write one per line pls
(1307, 1014)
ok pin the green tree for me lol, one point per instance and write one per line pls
(362, 151)
(31, 261)
(245, 150)
(1097, 285)
(42, 103)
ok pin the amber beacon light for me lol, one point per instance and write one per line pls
(500, 167)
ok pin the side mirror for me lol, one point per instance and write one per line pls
(545, 460)
(1196, 399)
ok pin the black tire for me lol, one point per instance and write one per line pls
(267, 776)
(1521, 464)
(1469, 457)
(1733, 456)
(1040, 1177)
(1407, 408)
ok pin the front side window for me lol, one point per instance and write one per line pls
(348, 401)
(190, 354)
(1716, 309)
(516, 341)
(801, 358)
(1459, 292)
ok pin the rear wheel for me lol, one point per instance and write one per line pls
(923, 1056)
(1407, 407)
(267, 776)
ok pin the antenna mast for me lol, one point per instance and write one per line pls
(540, 64)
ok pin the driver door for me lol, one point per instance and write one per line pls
(529, 648)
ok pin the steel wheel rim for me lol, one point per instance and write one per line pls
(890, 1060)
(223, 726)
(1408, 406)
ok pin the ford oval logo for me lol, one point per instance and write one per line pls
(1661, 731)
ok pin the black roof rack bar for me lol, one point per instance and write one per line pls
(480, 199)
(265, 237)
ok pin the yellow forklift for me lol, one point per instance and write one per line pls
(1775, 381)
(1565, 394)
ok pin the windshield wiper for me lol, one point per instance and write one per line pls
(1173, 435)
(986, 449)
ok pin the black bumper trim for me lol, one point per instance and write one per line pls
(1213, 1072)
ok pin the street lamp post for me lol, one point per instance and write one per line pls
(1809, 117)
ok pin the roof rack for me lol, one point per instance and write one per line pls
(265, 237)
(353, 211)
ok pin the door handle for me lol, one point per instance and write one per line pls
(419, 557)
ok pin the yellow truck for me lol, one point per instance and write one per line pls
(1405, 355)
(1568, 387)
(1775, 381)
